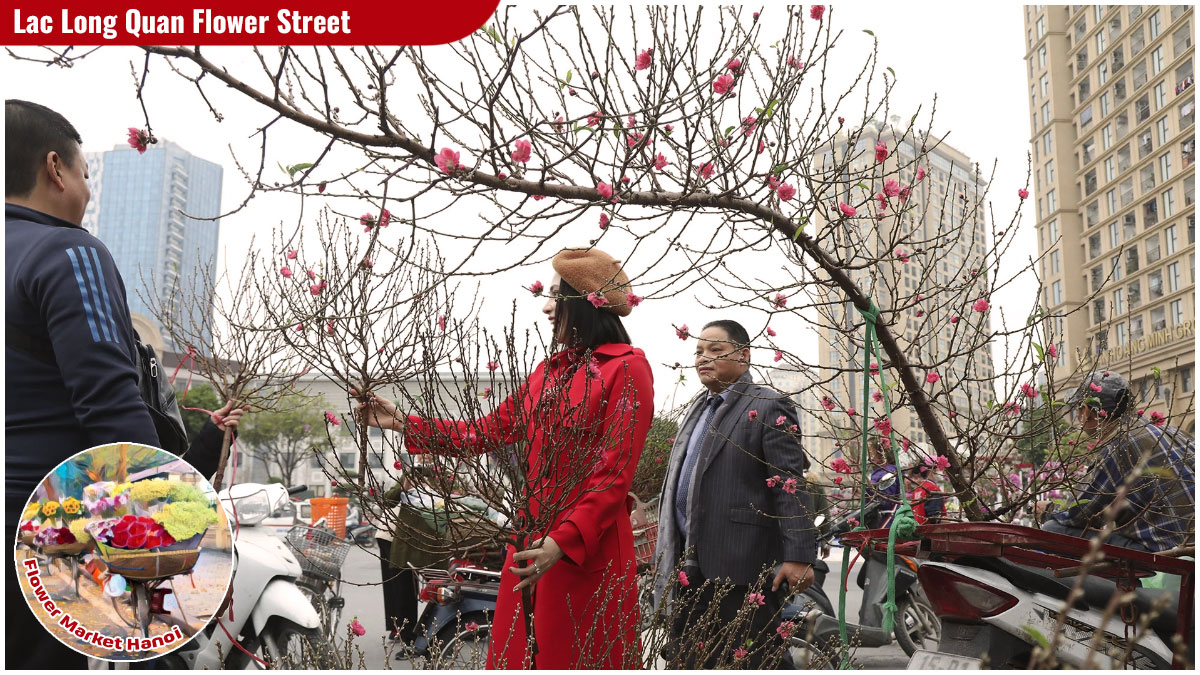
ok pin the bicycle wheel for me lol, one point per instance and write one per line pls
(141, 608)
(123, 606)
(464, 650)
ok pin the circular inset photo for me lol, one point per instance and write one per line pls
(124, 552)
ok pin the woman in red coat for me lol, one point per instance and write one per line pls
(584, 413)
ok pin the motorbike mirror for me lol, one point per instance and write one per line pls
(297, 489)
(819, 520)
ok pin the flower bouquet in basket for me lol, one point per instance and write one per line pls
(31, 521)
(60, 537)
(162, 537)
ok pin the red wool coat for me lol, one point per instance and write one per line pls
(589, 420)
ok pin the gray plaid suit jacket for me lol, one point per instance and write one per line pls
(737, 524)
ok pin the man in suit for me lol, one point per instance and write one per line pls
(734, 503)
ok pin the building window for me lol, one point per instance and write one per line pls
(1160, 95)
(1119, 302)
(1085, 115)
(1051, 201)
(1176, 312)
(1147, 175)
(1122, 338)
(1089, 182)
(1185, 379)
(1102, 76)
(1119, 92)
(1050, 171)
(1131, 260)
(1156, 61)
(1163, 131)
(1172, 236)
(1141, 109)
(1114, 24)
(1056, 293)
(1139, 75)
(1044, 85)
(1135, 326)
(1182, 39)
(1098, 311)
(1097, 278)
(1187, 114)
(1164, 166)
(1114, 235)
(1053, 227)
(1093, 246)
(1110, 169)
(1155, 25)
(1133, 294)
(1154, 287)
(1055, 268)
(1173, 278)
(1168, 202)
(1040, 26)
(1106, 137)
(1093, 213)
(1115, 261)
(1145, 142)
(1048, 142)
(1153, 251)
(1137, 41)
(1045, 113)
(1158, 319)
(1089, 151)
(1187, 153)
(1041, 55)
(1129, 225)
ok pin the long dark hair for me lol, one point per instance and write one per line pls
(587, 326)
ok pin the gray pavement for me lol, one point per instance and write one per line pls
(362, 593)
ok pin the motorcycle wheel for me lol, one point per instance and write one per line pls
(285, 645)
(917, 626)
(463, 649)
(316, 596)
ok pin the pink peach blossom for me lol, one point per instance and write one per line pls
(752, 415)
(285, 272)
(771, 332)
(778, 356)
(706, 170)
(1023, 193)
(682, 332)
(643, 59)
(847, 210)
(881, 151)
(604, 189)
(786, 192)
(980, 305)
(817, 11)
(537, 288)
(447, 161)
(597, 300)
(660, 162)
(633, 300)
(523, 153)
(603, 221)
(932, 378)
(723, 84)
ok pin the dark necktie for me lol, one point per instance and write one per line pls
(689, 464)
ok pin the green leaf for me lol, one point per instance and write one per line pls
(889, 69)
(800, 228)
(491, 31)
(1160, 471)
(1037, 636)
(871, 33)
(1157, 372)
(771, 107)
(863, 186)
(728, 130)
(295, 168)
(1040, 352)
(569, 74)
(779, 168)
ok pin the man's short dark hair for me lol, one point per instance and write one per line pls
(32, 130)
(736, 332)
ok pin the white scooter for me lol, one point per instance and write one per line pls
(994, 609)
(273, 622)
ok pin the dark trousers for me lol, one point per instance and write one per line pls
(699, 635)
(28, 644)
(399, 595)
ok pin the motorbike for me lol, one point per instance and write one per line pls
(454, 627)
(999, 610)
(916, 625)
(362, 534)
(266, 619)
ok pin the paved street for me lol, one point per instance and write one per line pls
(364, 601)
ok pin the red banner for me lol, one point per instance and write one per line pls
(230, 22)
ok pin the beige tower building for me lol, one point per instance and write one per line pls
(1112, 119)
(950, 173)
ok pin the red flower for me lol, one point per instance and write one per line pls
(771, 332)
(786, 192)
(932, 378)
(285, 272)
(537, 288)
(523, 153)
(847, 210)
(734, 64)
(980, 305)
(138, 139)
(633, 300)
(881, 151)
(817, 11)
(682, 332)
(1023, 193)
(752, 415)
(604, 221)
(493, 366)
(447, 161)
(643, 59)
(1029, 390)
(332, 419)
(604, 189)
(723, 84)
(705, 170)
(778, 356)
(1158, 419)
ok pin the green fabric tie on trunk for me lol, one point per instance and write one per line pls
(904, 524)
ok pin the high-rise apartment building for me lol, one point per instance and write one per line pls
(148, 209)
(1112, 118)
(951, 181)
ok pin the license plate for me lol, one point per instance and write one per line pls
(924, 660)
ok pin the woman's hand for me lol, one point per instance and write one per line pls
(376, 410)
(227, 417)
(541, 557)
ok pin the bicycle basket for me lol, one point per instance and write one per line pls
(318, 551)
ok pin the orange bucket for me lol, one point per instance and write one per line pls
(333, 510)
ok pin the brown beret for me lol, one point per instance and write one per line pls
(590, 270)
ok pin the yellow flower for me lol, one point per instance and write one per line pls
(31, 511)
(50, 508)
(71, 505)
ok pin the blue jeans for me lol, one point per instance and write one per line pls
(1114, 539)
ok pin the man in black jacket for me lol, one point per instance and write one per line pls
(63, 289)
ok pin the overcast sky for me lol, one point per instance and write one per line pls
(970, 55)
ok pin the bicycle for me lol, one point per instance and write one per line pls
(136, 609)
(321, 555)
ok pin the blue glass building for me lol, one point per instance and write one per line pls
(149, 210)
